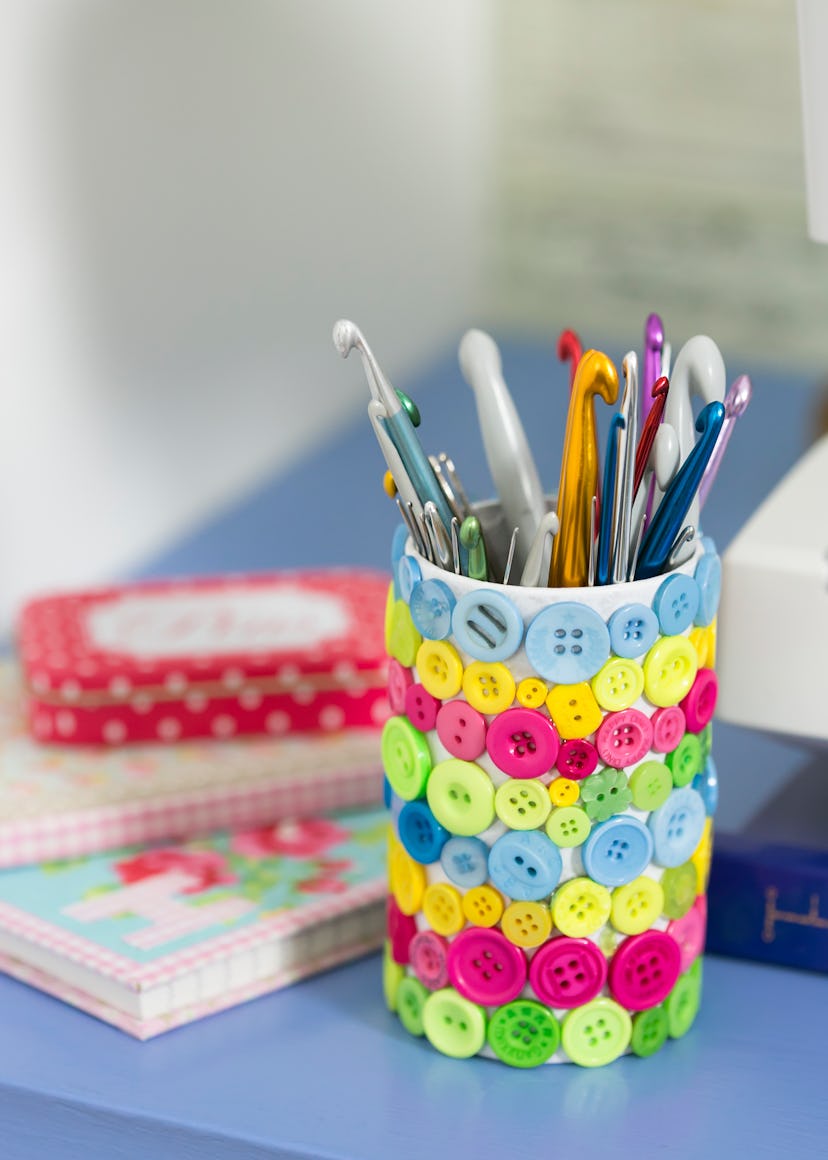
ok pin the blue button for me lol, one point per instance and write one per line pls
(421, 833)
(525, 865)
(408, 573)
(465, 861)
(398, 542)
(707, 784)
(567, 643)
(386, 793)
(633, 630)
(431, 605)
(487, 625)
(617, 851)
(709, 545)
(676, 603)
(677, 826)
(709, 581)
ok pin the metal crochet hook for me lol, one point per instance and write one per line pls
(603, 559)
(536, 568)
(626, 468)
(652, 369)
(471, 537)
(736, 403)
(438, 535)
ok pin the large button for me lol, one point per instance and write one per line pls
(633, 629)
(683, 1002)
(669, 670)
(567, 643)
(525, 866)
(686, 760)
(617, 851)
(443, 908)
(709, 581)
(522, 805)
(399, 682)
(392, 975)
(440, 668)
(485, 967)
(680, 885)
(405, 758)
(700, 703)
(429, 959)
(462, 730)
(487, 625)
(569, 826)
(409, 573)
(707, 784)
(421, 708)
(689, 932)
(563, 791)
(574, 710)
(483, 906)
(401, 930)
(636, 906)
(523, 1033)
(461, 796)
(650, 785)
(677, 827)
(465, 862)
(567, 972)
(522, 742)
(411, 997)
(650, 1031)
(597, 1033)
(644, 969)
(624, 738)
(526, 924)
(669, 726)
(401, 637)
(432, 603)
(619, 684)
(605, 793)
(576, 759)
(581, 907)
(453, 1025)
(676, 603)
(531, 693)
(489, 688)
(421, 833)
(407, 879)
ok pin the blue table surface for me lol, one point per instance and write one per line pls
(322, 1069)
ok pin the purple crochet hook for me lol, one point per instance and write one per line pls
(653, 347)
(736, 402)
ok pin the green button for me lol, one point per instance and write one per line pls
(706, 739)
(651, 784)
(650, 1031)
(596, 1033)
(605, 793)
(686, 760)
(523, 1033)
(454, 1025)
(405, 757)
(522, 804)
(411, 997)
(402, 639)
(568, 826)
(680, 885)
(683, 1003)
(461, 796)
(392, 975)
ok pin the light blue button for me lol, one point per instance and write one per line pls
(633, 630)
(421, 833)
(398, 542)
(465, 861)
(707, 784)
(525, 865)
(567, 643)
(709, 545)
(676, 603)
(487, 625)
(408, 573)
(432, 603)
(617, 851)
(709, 581)
(677, 826)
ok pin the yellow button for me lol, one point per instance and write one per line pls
(618, 685)
(581, 907)
(526, 924)
(701, 855)
(439, 668)
(711, 644)
(531, 693)
(522, 804)
(669, 670)
(563, 791)
(636, 906)
(699, 640)
(574, 710)
(389, 615)
(392, 976)
(402, 640)
(443, 908)
(483, 906)
(407, 879)
(489, 688)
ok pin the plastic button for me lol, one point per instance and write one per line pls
(461, 796)
(605, 793)
(576, 759)
(407, 879)
(440, 668)
(700, 703)
(401, 638)
(669, 670)
(432, 603)
(420, 832)
(650, 784)
(706, 738)
(689, 932)
(707, 784)
(669, 726)
(465, 861)
(619, 684)
(405, 758)
(581, 907)
(644, 969)
(568, 972)
(617, 851)
(489, 688)
(680, 885)
(597, 1033)
(522, 805)
(531, 693)
(409, 573)
(563, 791)
(483, 906)
(702, 853)
(411, 997)
(636, 906)
(429, 959)
(686, 760)
(683, 1003)
(399, 682)
(624, 738)
(523, 1033)
(453, 1025)
(522, 742)
(574, 710)
(526, 924)
(650, 1031)
(487, 625)
(569, 826)
(676, 603)
(700, 640)
(398, 542)
(525, 866)
(462, 730)
(567, 643)
(486, 968)
(443, 908)
(401, 930)
(421, 708)
(633, 629)
(677, 827)
(392, 974)
(709, 580)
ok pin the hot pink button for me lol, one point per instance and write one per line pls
(644, 969)
(523, 743)
(624, 738)
(399, 682)
(669, 726)
(485, 967)
(567, 972)
(421, 708)
(401, 930)
(689, 932)
(700, 703)
(428, 958)
(576, 759)
(462, 730)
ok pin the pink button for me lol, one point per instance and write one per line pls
(644, 969)
(523, 743)
(576, 759)
(428, 958)
(624, 738)
(421, 708)
(399, 682)
(689, 932)
(700, 703)
(567, 972)
(462, 730)
(669, 727)
(401, 930)
(485, 967)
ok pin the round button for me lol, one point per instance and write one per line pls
(686, 759)
(650, 784)
(676, 603)
(432, 603)
(429, 959)
(709, 580)
(576, 759)
(567, 972)
(387, 793)
(391, 598)
(605, 793)
(563, 791)
(624, 738)
(411, 997)
(669, 670)
(420, 832)
(407, 879)
(683, 1004)
(644, 969)
(702, 853)
(689, 932)
(581, 907)
(522, 742)
(700, 640)
(636, 906)
(439, 668)
(461, 796)
(453, 1025)
(619, 684)
(399, 682)
(421, 708)
(597, 1033)
(680, 885)
(522, 805)
(706, 738)
(489, 688)
(707, 784)
(485, 967)
(617, 851)
(465, 862)
(669, 726)
(392, 974)
(650, 1031)
(461, 729)
(398, 542)
(483, 906)
(569, 826)
(401, 637)
(633, 629)
(401, 930)
(574, 710)
(526, 924)
(409, 573)
(523, 1033)
(567, 643)
(405, 758)
(531, 693)
(487, 625)
(700, 703)
(677, 827)
(525, 866)
(443, 908)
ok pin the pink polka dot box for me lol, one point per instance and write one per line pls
(209, 657)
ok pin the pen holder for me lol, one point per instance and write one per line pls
(550, 784)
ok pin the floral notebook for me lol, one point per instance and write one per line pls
(150, 937)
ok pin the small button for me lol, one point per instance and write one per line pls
(487, 625)
(683, 1001)
(650, 784)
(392, 974)
(617, 851)
(624, 738)
(398, 542)
(405, 758)
(709, 580)
(689, 932)
(707, 784)
(461, 729)
(432, 603)
(443, 908)
(619, 684)
(453, 1025)
(636, 906)
(409, 573)
(677, 827)
(421, 708)
(669, 726)
(526, 924)
(401, 638)
(669, 670)
(605, 793)
(644, 969)
(597, 1033)
(706, 738)
(650, 1031)
(700, 640)
(522, 805)
(399, 682)
(702, 853)
(461, 796)
(391, 598)
(700, 703)
(401, 930)
(574, 710)
(568, 972)
(439, 668)
(633, 629)
(531, 693)
(483, 906)
(411, 997)
(406, 878)
(567, 643)
(429, 959)
(420, 832)
(485, 967)
(522, 742)
(523, 1033)
(676, 603)
(680, 885)
(686, 760)
(525, 866)
(569, 826)
(465, 862)
(563, 791)
(489, 688)
(581, 907)
(576, 759)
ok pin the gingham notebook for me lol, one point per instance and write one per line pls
(150, 937)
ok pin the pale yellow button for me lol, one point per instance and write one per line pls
(407, 879)
(402, 639)
(618, 684)
(702, 853)
(523, 804)
(483, 905)
(526, 924)
(443, 908)
(574, 710)
(636, 906)
(439, 668)
(531, 692)
(489, 687)
(581, 907)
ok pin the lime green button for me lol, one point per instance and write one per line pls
(618, 684)
(522, 804)
(411, 998)
(461, 796)
(706, 739)
(568, 826)
(680, 885)
(402, 639)
(454, 1025)
(523, 1033)
(649, 1032)
(686, 760)
(636, 906)
(581, 907)
(669, 670)
(683, 1003)
(392, 975)
(651, 783)
(405, 757)
(597, 1033)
